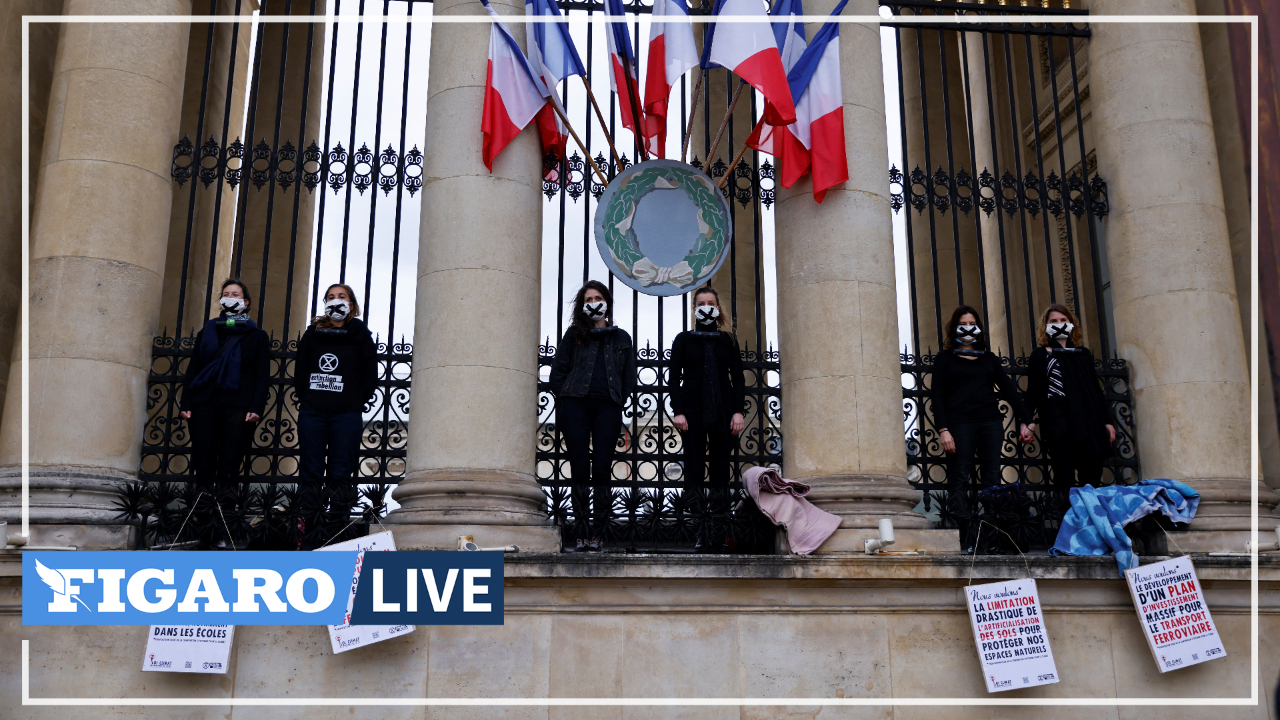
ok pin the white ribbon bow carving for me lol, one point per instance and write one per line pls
(648, 274)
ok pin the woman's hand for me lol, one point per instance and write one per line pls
(252, 417)
(1111, 432)
(681, 423)
(1026, 433)
(185, 414)
(736, 424)
(948, 443)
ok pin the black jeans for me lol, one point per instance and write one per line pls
(984, 440)
(1070, 469)
(332, 434)
(590, 423)
(703, 442)
(220, 439)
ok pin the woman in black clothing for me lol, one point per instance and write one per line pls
(968, 383)
(335, 373)
(593, 373)
(225, 388)
(707, 395)
(1063, 390)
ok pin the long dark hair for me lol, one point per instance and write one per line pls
(581, 324)
(949, 342)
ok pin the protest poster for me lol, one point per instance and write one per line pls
(1174, 615)
(188, 648)
(1008, 627)
(346, 636)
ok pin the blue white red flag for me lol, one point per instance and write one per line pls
(553, 57)
(750, 51)
(671, 53)
(622, 66)
(513, 93)
(815, 142)
(789, 33)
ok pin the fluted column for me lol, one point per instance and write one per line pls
(470, 469)
(1176, 311)
(837, 323)
(98, 243)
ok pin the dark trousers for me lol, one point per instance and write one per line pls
(984, 441)
(335, 435)
(1070, 469)
(591, 427)
(220, 439)
(702, 442)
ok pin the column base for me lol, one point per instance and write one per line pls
(528, 538)
(81, 537)
(68, 506)
(1224, 517)
(862, 501)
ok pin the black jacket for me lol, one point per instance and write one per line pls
(255, 374)
(336, 369)
(576, 361)
(965, 391)
(710, 393)
(1075, 423)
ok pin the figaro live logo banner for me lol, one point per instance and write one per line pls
(256, 588)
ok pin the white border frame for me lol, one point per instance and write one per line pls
(1255, 462)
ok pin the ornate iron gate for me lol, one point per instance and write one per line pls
(1009, 94)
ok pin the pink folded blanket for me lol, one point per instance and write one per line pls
(783, 502)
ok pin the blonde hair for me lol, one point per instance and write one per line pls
(722, 321)
(325, 321)
(1042, 335)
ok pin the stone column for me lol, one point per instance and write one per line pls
(1235, 195)
(1176, 312)
(470, 469)
(98, 243)
(44, 41)
(837, 323)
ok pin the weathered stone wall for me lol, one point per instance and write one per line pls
(692, 626)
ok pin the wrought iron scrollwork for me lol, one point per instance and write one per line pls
(362, 179)
(896, 189)
(412, 169)
(337, 168)
(210, 167)
(767, 186)
(311, 167)
(260, 164)
(1027, 504)
(183, 157)
(389, 170)
(286, 165)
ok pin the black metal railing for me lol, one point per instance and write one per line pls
(1029, 509)
(651, 505)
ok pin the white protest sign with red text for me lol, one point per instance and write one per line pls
(1175, 618)
(1012, 641)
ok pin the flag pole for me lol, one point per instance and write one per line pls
(556, 106)
(742, 85)
(603, 124)
(688, 130)
(732, 165)
(637, 114)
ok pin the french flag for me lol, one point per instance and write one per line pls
(513, 94)
(789, 33)
(750, 51)
(622, 66)
(553, 58)
(815, 142)
(671, 54)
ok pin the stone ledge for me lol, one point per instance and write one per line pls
(522, 567)
(859, 567)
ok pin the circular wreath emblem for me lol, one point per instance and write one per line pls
(619, 245)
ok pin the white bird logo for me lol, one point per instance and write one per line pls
(56, 582)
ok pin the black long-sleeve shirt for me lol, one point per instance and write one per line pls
(965, 391)
(689, 392)
(255, 371)
(336, 369)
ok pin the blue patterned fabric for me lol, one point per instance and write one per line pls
(1095, 523)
